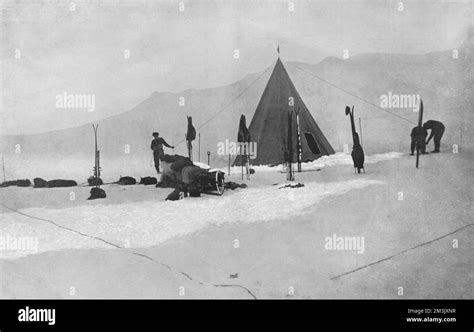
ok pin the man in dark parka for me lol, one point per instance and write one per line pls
(437, 130)
(418, 137)
(157, 147)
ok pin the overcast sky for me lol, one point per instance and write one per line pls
(82, 51)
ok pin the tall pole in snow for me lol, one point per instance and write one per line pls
(299, 152)
(420, 121)
(289, 170)
(242, 164)
(360, 130)
(97, 158)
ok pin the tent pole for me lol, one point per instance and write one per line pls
(290, 176)
(242, 165)
(247, 162)
(298, 156)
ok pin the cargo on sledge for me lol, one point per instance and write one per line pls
(181, 173)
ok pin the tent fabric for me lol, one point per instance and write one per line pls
(269, 125)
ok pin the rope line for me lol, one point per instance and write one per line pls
(352, 94)
(227, 105)
(403, 251)
(133, 253)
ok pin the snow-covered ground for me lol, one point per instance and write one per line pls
(281, 232)
(149, 223)
(23, 166)
(339, 158)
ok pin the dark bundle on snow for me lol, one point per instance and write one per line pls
(177, 162)
(61, 183)
(148, 180)
(168, 181)
(23, 183)
(18, 183)
(292, 185)
(233, 185)
(178, 165)
(194, 192)
(172, 167)
(40, 183)
(95, 181)
(126, 180)
(171, 158)
(97, 193)
(176, 195)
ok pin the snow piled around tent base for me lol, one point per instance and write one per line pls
(339, 158)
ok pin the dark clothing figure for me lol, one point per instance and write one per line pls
(357, 154)
(437, 130)
(191, 134)
(158, 152)
(97, 193)
(418, 137)
(190, 137)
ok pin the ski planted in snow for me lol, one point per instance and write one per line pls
(420, 122)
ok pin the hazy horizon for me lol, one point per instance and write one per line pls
(82, 51)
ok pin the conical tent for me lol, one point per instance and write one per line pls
(269, 125)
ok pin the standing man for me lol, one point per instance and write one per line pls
(157, 147)
(437, 131)
(418, 136)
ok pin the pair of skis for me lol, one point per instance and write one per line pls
(420, 121)
(289, 149)
(97, 167)
(243, 137)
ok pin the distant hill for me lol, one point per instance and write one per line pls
(444, 83)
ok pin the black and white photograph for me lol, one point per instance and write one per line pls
(223, 150)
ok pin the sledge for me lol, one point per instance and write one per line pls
(213, 181)
(180, 172)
